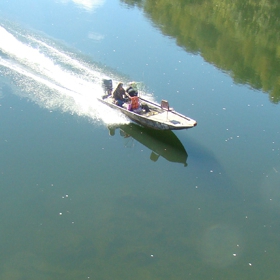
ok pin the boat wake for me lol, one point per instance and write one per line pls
(54, 78)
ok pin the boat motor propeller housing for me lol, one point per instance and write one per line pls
(107, 86)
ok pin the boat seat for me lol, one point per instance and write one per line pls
(165, 105)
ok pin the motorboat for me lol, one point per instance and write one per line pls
(148, 114)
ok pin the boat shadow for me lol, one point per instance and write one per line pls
(162, 143)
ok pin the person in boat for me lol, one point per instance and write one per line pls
(119, 94)
(134, 103)
(132, 89)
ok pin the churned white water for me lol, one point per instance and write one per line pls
(54, 78)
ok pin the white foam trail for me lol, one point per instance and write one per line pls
(54, 79)
(66, 58)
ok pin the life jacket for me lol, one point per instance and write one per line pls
(134, 102)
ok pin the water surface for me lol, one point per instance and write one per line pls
(79, 203)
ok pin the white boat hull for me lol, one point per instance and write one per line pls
(157, 117)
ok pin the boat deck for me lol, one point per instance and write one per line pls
(160, 115)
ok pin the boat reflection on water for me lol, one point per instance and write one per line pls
(161, 143)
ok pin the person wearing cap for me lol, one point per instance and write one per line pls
(132, 89)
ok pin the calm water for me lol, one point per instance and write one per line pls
(79, 203)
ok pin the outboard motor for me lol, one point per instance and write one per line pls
(107, 86)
